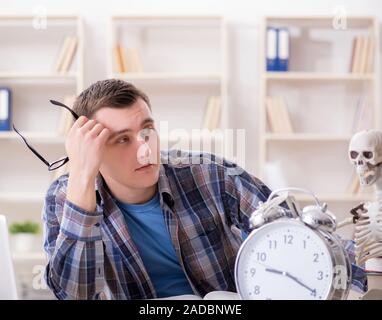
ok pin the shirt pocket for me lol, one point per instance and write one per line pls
(203, 237)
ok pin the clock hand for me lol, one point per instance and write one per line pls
(299, 282)
(286, 274)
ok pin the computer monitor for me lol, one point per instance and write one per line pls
(8, 289)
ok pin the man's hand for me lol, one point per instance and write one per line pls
(85, 146)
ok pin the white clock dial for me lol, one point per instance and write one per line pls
(284, 260)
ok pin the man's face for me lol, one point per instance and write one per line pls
(132, 151)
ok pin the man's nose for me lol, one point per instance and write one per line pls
(143, 152)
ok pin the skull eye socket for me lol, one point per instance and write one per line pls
(368, 154)
(353, 154)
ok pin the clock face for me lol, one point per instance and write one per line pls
(284, 260)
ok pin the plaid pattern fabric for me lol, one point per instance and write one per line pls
(206, 201)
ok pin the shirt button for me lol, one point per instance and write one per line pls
(97, 224)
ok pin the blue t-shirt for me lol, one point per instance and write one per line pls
(150, 234)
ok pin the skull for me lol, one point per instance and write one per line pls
(365, 152)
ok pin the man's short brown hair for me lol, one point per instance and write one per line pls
(112, 93)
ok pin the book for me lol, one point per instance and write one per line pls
(127, 59)
(213, 295)
(370, 56)
(133, 61)
(118, 59)
(212, 114)
(5, 109)
(66, 118)
(353, 51)
(122, 55)
(278, 115)
(69, 55)
(62, 54)
(362, 56)
(356, 66)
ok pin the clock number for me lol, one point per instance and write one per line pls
(320, 275)
(313, 293)
(304, 243)
(252, 271)
(315, 257)
(272, 244)
(340, 277)
(288, 239)
(261, 256)
(257, 290)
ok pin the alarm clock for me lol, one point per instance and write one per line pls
(292, 253)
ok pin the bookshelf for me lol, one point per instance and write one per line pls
(180, 62)
(321, 92)
(28, 66)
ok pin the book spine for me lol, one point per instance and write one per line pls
(283, 49)
(5, 109)
(357, 55)
(63, 52)
(352, 56)
(271, 49)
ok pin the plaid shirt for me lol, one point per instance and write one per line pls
(206, 201)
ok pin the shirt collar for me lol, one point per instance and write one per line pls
(166, 195)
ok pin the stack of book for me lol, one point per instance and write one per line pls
(212, 113)
(362, 58)
(67, 53)
(127, 60)
(278, 115)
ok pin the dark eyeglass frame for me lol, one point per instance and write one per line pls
(60, 162)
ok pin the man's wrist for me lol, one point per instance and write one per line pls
(82, 177)
(81, 190)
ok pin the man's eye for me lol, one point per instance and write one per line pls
(123, 140)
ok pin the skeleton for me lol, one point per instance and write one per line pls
(365, 152)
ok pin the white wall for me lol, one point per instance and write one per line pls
(243, 18)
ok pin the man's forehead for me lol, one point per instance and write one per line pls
(121, 118)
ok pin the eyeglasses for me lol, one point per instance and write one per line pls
(60, 162)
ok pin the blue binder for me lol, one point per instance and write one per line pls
(271, 49)
(5, 109)
(283, 49)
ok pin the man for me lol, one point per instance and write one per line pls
(131, 222)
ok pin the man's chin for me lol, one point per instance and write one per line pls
(147, 174)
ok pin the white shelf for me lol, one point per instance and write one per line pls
(182, 74)
(316, 76)
(307, 137)
(168, 76)
(33, 136)
(321, 21)
(32, 78)
(157, 21)
(322, 98)
(35, 78)
(21, 197)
